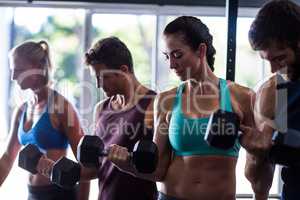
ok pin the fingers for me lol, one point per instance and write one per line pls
(245, 129)
(118, 154)
(44, 166)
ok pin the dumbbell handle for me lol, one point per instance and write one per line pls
(45, 166)
(104, 153)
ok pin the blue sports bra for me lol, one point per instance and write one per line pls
(42, 134)
(186, 135)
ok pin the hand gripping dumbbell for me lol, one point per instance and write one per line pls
(65, 173)
(222, 129)
(144, 156)
(286, 148)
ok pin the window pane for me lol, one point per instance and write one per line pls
(62, 28)
(136, 31)
(217, 26)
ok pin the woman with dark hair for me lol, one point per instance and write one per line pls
(188, 167)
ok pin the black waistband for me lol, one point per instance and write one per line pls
(48, 189)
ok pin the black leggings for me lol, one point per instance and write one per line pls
(162, 196)
(51, 192)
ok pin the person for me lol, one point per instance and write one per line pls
(46, 120)
(123, 118)
(188, 168)
(275, 34)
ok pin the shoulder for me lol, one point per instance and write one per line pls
(165, 98)
(99, 106)
(265, 98)
(60, 104)
(18, 111)
(268, 86)
(240, 92)
(242, 99)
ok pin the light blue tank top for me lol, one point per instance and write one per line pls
(186, 134)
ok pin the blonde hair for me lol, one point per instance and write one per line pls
(35, 52)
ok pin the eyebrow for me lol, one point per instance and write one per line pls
(278, 56)
(174, 51)
(273, 57)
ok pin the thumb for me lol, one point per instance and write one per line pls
(245, 129)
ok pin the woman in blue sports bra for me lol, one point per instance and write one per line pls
(47, 120)
(188, 168)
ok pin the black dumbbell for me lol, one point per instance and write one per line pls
(286, 148)
(222, 129)
(144, 156)
(65, 173)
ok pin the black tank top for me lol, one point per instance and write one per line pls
(124, 128)
(291, 175)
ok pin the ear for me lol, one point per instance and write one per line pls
(202, 48)
(124, 68)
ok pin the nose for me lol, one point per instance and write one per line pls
(172, 63)
(275, 66)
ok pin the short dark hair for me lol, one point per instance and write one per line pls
(110, 51)
(277, 21)
(194, 32)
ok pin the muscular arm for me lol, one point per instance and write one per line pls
(162, 107)
(12, 149)
(258, 170)
(74, 132)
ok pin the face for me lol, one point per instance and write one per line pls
(182, 59)
(105, 78)
(28, 75)
(282, 60)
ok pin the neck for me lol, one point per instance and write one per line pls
(205, 76)
(131, 89)
(40, 95)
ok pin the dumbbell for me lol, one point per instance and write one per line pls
(144, 156)
(286, 139)
(65, 173)
(286, 148)
(222, 129)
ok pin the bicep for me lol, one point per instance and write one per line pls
(264, 108)
(72, 126)
(97, 110)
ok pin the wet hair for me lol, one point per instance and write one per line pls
(34, 52)
(194, 32)
(110, 51)
(278, 22)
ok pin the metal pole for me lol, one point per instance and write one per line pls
(231, 15)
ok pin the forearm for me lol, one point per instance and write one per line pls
(84, 190)
(87, 174)
(156, 176)
(5, 166)
(260, 174)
